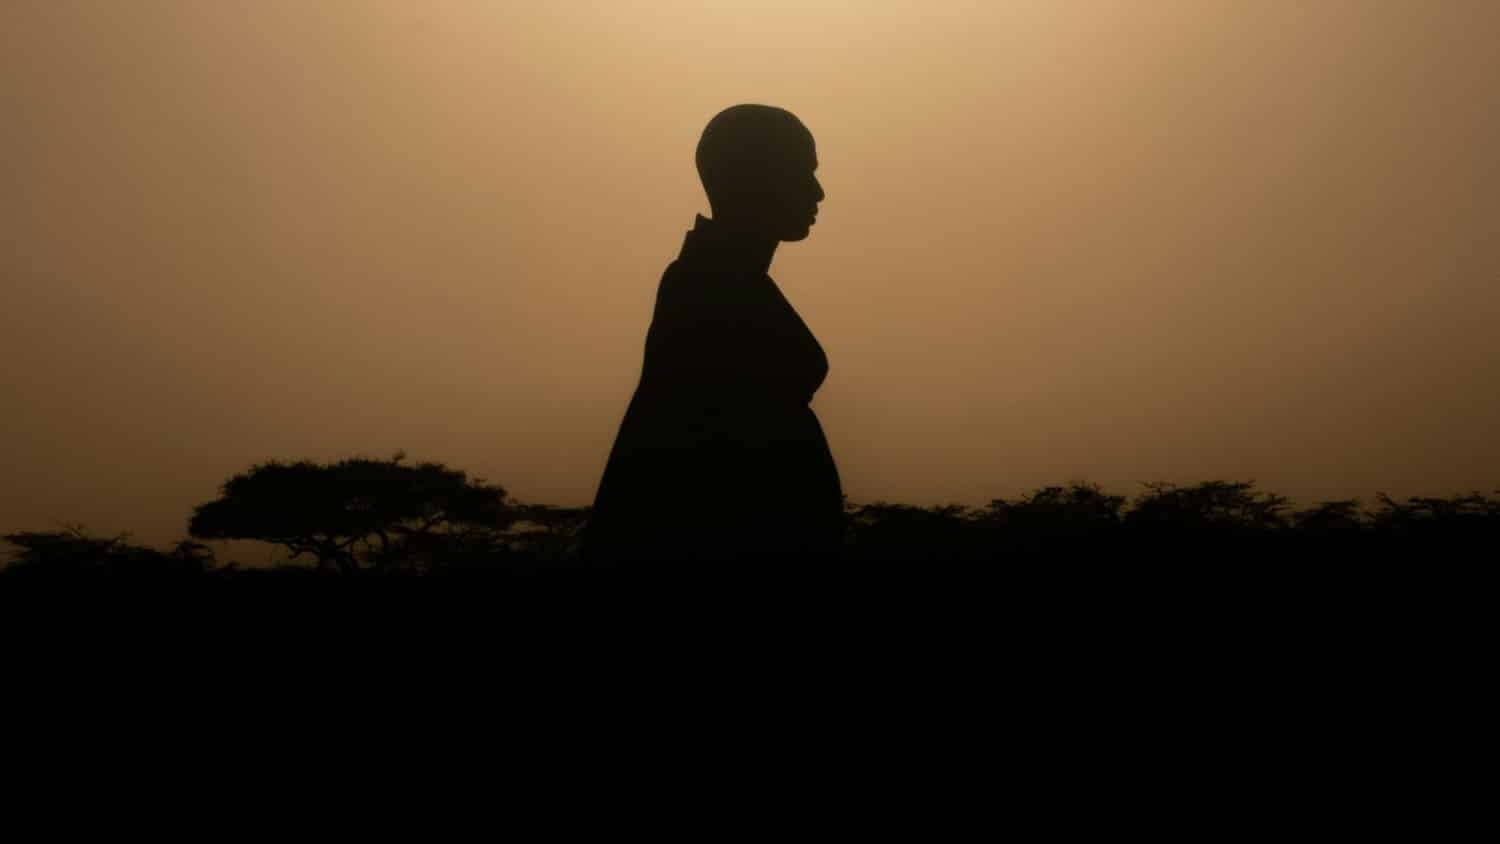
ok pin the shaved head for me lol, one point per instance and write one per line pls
(756, 164)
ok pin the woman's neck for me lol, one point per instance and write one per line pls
(739, 244)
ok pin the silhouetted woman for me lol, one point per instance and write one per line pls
(719, 455)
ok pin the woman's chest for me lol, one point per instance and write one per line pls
(800, 354)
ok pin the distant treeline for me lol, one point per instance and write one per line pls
(364, 516)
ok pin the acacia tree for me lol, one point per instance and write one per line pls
(355, 513)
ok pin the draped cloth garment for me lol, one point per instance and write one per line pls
(719, 455)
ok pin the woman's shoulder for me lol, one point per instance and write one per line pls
(690, 285)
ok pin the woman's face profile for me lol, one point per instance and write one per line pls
(780, 198)
(758, 165)
(798, 193)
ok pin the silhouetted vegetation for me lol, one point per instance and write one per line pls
(384, 517)
(72, 551)
(361, 514)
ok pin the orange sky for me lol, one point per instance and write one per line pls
(1117, 241)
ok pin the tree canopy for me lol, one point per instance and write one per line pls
(355, 513)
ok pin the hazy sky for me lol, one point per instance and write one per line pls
(1116, 241)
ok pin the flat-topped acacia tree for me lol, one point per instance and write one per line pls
(380, 510)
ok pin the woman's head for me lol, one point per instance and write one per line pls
(757, 164)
